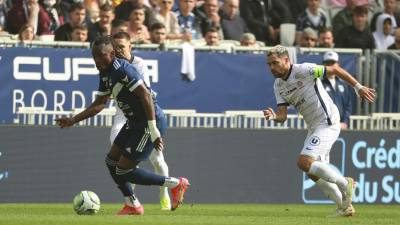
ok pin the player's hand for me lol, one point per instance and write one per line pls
(65, 122)
(367, 93)
(159, 144)
(269, 114)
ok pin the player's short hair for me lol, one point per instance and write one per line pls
(76, 6)
(103, 43)
(278, 50)
(122, 35)
(156, 26)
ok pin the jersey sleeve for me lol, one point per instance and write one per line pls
(132, 78)
(279, 99)
(103, 90)
(313, 70)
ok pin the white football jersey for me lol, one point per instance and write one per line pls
(141, 67)
(303, 89)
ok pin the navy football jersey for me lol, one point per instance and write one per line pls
(120, 81)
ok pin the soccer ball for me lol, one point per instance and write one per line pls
(86, 203)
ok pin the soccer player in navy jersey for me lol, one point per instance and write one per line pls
(142, 132)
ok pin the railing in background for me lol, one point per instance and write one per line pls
(189, 118)
(385, 73)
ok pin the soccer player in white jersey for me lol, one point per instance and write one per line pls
(299, 85)
(123, 50)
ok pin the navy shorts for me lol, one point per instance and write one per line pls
(134, 139)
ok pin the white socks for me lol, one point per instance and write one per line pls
(132, 201)
(171, 182)
(324, 171)
(161, 168)
(331, 191)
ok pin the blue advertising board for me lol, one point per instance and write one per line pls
(64, 79)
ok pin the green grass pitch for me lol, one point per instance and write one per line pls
(218, 214)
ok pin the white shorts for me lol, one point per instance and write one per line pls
(118, 122)
(319, 141)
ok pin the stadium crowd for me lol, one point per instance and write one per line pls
(365, 24)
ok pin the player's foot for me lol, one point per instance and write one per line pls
(349, 211)
(178, 192)
(165, 203)
(129, 210)
(348, 193)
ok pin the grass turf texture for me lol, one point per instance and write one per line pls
(229, 214)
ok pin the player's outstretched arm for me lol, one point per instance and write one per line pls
(90, 111)
(362, 91)
(147, 101)
(279, 116)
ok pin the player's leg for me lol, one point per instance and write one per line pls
(319, 143)
(120, 136)
(161, 168)
(139, 149)
(119, 121)
(127, 171)
(330, 190)
(132, 204)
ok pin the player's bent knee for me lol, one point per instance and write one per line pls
(115, 152)
(304, 162)
(312, 177)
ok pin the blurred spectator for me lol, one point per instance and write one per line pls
(308, 38)
(26, 33)
(389, 8)
(77, 14)
(396, 45)
(154, 5)
(114, 3)
(119, 26)
(22, 12)
(65, 5)
(79, 33)
(93, 10)
(337, 3)
(3, 14)
(50, 17)
(249, 40)
(103, 26)
(339, 91)
(325, 39)
(208, 13)
(344, 17)
(212, 37)
(263, 18)
(357, 35)
(382, 35)
(233, 25)
(313, 17)
(136, 28)
(123, 10)
(187, 21)
(296, 7)
(158, 33)
(169, 19)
